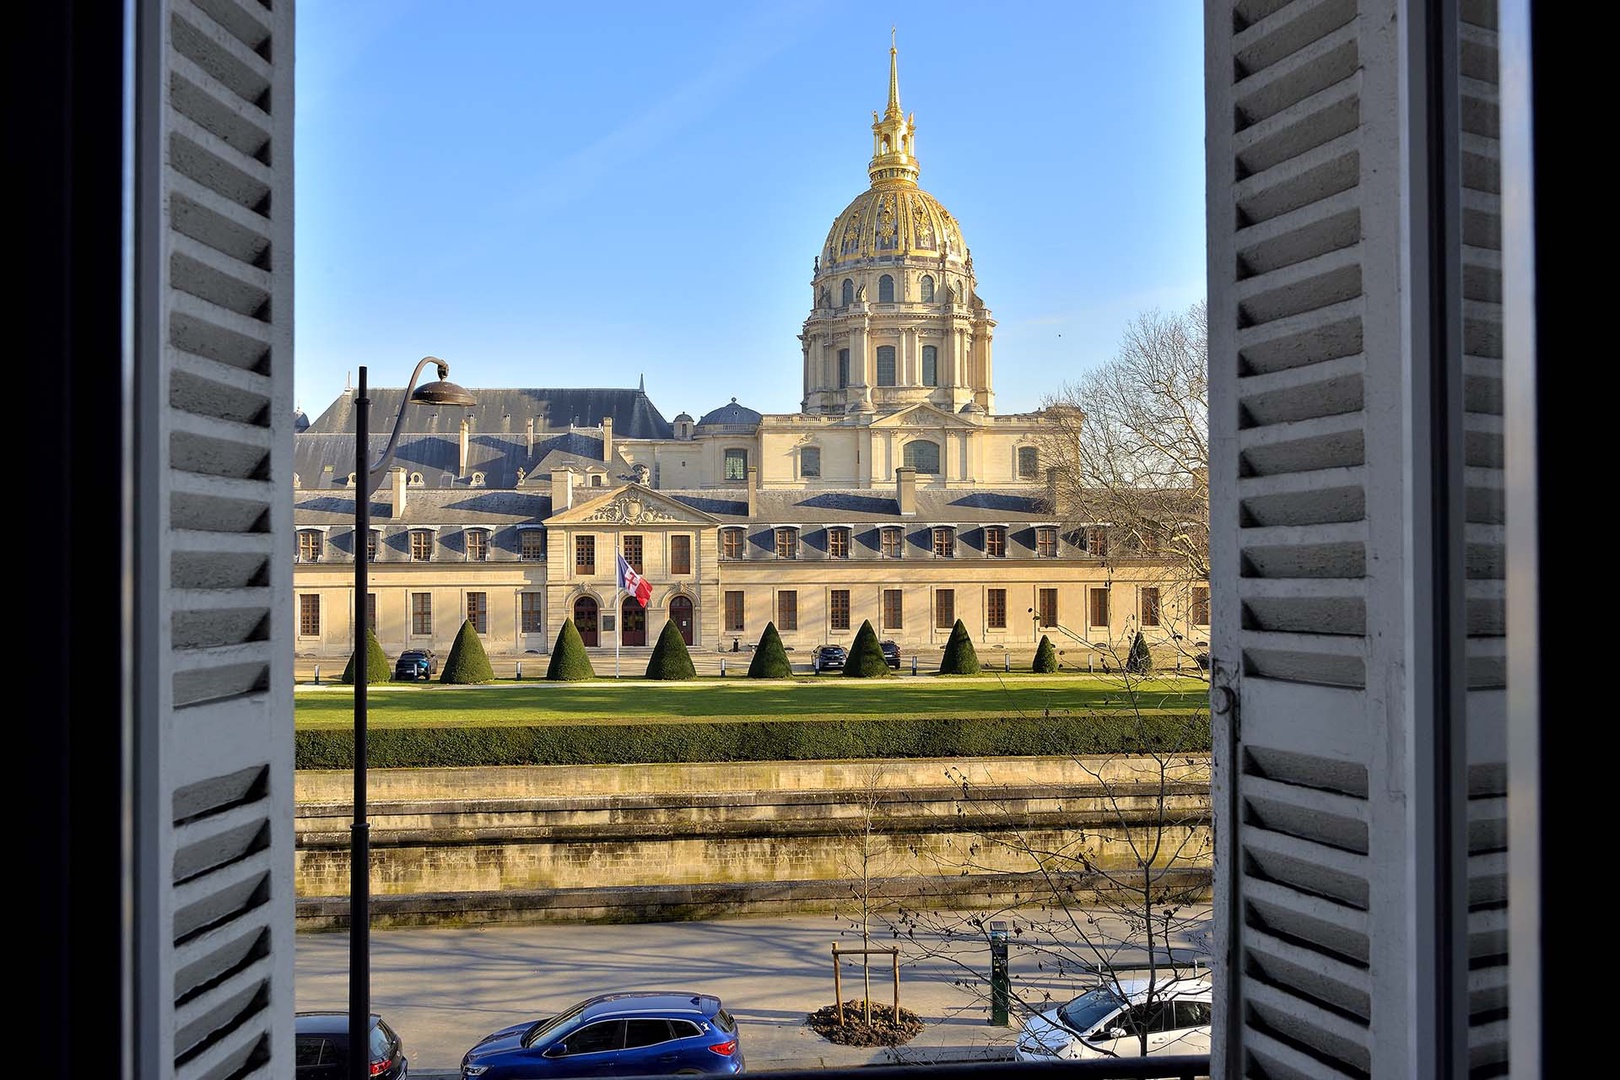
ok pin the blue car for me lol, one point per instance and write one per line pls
(638, 1033)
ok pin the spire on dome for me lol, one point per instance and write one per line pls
(894, 134)
(894, 79)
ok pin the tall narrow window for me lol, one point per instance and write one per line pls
(787, 610)
(1200, 606)
(1029, 462)
(1046, 606)
(810, 462)
(680, 554)
(1099, 608)
(584, 554)
(930, 365)
(532, 545)
(1150, 606)
(926, 288)
(731, 543)
(893, 610)
(787, 543)
(534, 617)
(837, 542)
(478, 611)
(371, 611)
(848, 295)
(734, 610)
(310, 542)
(923, 456)
(633, 553)
(886, 289)
(838, 609)
(1046, 542)
(885, 365)
(892, 540)
(371, 545)
(944, 609)
(1096, 540)
(309, 617)
(995, 609)
(421, 613)
(477, 545)
(421, 545)
(843, 368)
(944, 542)
(736, 464)
(995, 541)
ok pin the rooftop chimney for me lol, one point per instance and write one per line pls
(399, 493)
(905, 489)
(528, 429)
(607, 438)
(463, 469)
(753, 484)
(562, 489)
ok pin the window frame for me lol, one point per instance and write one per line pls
(479, 539)
(995, 541)
(732, 540)
(1046, 541)
(930, 365)
(477, 610)
(309, 614)
(908, 457)
(373, 544)
(995, 608)
(1046, 607)
(634, 549)
(680, 555)
(585, 554)
(944, 609)
(787, 540)
(1149, 605)
(421, 614)
(886, 293)
(1094, 595)
(734, 598)
(1199, 605)
(531, 545)
(532, 612)
(787, 609)
(838, 609)
(810, 462)
(738, 454)
(839, 541)
(892, 536)
(943, 540)
(311, 545)
(894, 609)
(421, 545)
(925, 288)
(887, 365)
(1034, 471)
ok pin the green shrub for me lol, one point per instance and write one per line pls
(569, 660)
(770, 659)
(1045, 657)
(467, 662)
(960, 657)
(670, 659)
(1139, 661)
(865, 659)
(378, 667)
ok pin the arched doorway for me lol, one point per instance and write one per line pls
(633, 622)
(585, 620)
(680, 609)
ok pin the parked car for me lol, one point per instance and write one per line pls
(1108, 1020)
(415, 664)
(891, 653)
(831, 658)
(638, 1033)
(321, 1048)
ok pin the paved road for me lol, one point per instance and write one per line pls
(443, 989)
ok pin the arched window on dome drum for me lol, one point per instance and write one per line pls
(885, 365)
(843, 369)
(886, 289)
(930, 365)
(849, 292)
(923, 456)
(927, 288)
(809, 464)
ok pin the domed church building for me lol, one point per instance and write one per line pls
(896, 493)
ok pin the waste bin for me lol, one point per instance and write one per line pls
(1000, 983)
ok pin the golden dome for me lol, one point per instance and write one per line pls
(893, 218)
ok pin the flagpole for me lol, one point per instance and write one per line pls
(618, 604)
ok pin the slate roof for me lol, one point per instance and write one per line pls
(731, 415)
(507, 410)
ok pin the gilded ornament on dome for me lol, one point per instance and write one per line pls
(922, 223)
(886, 229)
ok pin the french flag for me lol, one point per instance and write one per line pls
(632, 582)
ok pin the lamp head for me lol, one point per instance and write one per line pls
(442, 392)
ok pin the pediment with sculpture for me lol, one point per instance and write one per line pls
(631, 505)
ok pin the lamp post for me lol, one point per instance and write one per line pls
(366, 479)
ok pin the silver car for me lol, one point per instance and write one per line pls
(1109, 1021)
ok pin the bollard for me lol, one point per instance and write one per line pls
(1000, 984)
(317, 674)
(914, 665)
(520, 671)
(1088, 664)
(1006, 659)
(722, 667)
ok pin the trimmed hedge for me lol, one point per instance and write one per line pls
(670, 658)
(754, 740)
(467, 662)
(960, 657)
(770, 659)
(569, 660)
(378, 667)
(865, 660)
(1140, 660)
(1045, 657)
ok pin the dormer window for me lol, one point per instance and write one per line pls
(531, 545)
(310, 544)
(995, 541)
(417, 479)
(787, 542)
(421, 545)
(477, 545)
(598, 480)
(892, 541)
(838, 542)
(731, 543)
(1046, 546)
(371, 545)
(477, 479)
(944, 542)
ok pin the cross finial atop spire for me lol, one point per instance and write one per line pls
(894, 78)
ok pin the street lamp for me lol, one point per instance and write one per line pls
(366, 479)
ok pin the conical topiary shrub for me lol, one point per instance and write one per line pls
(865, 660)
(1139, 661)
(467, 662)
(770, 659)
(1045, 657)
(569, 660)
(378, 667)
(960, 657)
(669, 659)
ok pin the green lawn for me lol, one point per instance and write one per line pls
(807, 698)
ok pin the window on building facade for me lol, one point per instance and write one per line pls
(736, 464)
(598, 480)
(731, 543)
(310, 542)
(843, 368)
(944, 542)
(1046, 541)
(1200, 606)
(421, 545)
(848, 293)
(995, 609)
(837, 542)
(930, 365)
(925, 288)
(531, 545)
(371, 611)
(680, 554)
(584, 554)
(371, 545)
(1150, 606)
(923, 456)
(885, 365)
(838, 609)
(995, 541)
(1099, 607)
(633, 551)
(893, 542)
(886, 289)
(787, 543)
(1095, 540)
(734, 610)
(893, 610)
(1046, 607)
(944, 609)
(421, 613)
(309, 617)
(787, 610)
(477, 545)
(1029, 463)
(478, 611)
(810, 462)
(532, 613)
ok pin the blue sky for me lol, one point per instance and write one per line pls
(552, 195)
